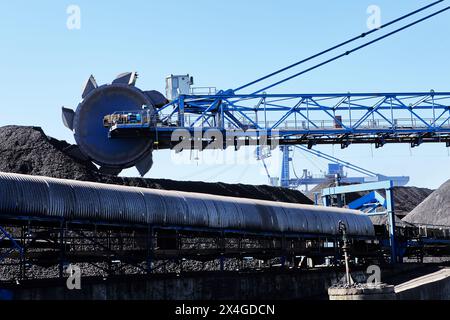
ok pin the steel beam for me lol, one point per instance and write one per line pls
(389, 204)
(334, 118)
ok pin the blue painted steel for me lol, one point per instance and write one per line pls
(336, 118)
(13, 247)
(391, 221)
(370, 200)
(92, 137)
(381, 185)
(335, 168)
(6, 295)
(389, 204)
(285, 178)
(435, 241)
(301, 118)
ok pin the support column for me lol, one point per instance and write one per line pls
(391, 221)
(150, 249)
(222, 251)
(284, 179)
(181, 111)
(62, 250)
(23, 239)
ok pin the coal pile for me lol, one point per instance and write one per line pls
(383, 220)
(405, 198)
(434, 210)
(408, 198)
(28, 150)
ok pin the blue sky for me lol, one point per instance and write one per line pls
(222, 44)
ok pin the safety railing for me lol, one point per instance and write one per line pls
(203, 91)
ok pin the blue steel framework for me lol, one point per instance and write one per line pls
(388, 186)
(148, 253)
(306, 118)
(370, 176)
(400, 246)
(341, 118)
(10, 247)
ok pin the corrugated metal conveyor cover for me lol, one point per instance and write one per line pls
(135, 209)
(235, 217)
(228, 214)
(33, 195)
(356, 222)
(9, 191)
(175, 205)
(40, 196)
(296, 222)
(197, 212)
(366, 225)
(353, 225)
(61, 198)
(118, 203)
(303, 219)
(156, 211)
(280, 220)
(110, 203)
(213, 208)
(251, 214)
(328, 220)
(328, 217)
(268, 215)
(314, 218)
(87, 201)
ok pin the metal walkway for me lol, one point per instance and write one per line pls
(339, 118)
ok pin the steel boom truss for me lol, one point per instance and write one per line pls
(337, 118)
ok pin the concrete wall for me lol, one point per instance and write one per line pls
(435, 286)
(275, 285)
(208, 286)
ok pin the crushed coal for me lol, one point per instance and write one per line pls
(407, 198)
(434, 210)
(383, 220)
(27, 150)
